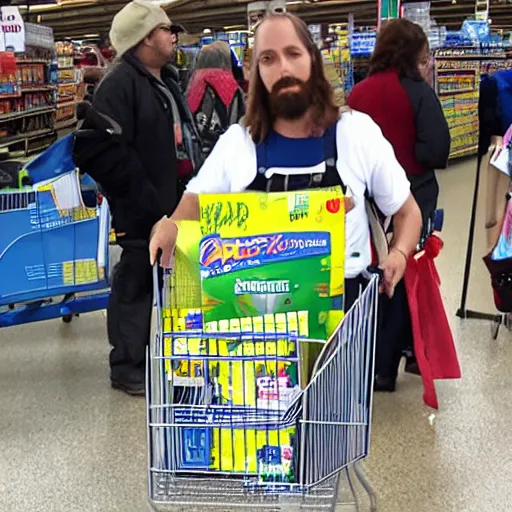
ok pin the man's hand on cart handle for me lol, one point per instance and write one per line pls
(163, 240)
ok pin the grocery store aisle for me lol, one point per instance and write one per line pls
(70, 443)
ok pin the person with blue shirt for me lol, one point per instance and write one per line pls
(294, 138)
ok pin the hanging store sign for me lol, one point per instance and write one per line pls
(12, 30)
(388, 9)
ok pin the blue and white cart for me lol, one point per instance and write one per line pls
(53, 246)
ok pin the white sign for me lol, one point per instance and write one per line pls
(12, 30)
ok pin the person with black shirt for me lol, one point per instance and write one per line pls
(398, 97)
(129, 143)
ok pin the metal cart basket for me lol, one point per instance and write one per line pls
(212, 446)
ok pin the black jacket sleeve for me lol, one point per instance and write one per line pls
(432, 132)
(104, 148)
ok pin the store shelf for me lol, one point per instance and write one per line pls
(469, 151)
(26, 113)
(470, 57)
(9, 96)
(66, 104)
(37, 88)
(31, 61)
(9, 141)
(471, 71)
(452, 93)
(63, 84)
(67, 123)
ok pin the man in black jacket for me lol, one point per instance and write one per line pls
(129, 143)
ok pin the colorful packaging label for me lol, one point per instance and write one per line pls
(295, 266)
(259, 270)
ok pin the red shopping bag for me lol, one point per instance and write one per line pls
(433, 341)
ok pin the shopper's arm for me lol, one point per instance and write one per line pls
(390, 188)
(165, 231)
(406, 233)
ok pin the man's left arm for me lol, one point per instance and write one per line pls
(406, 233)
(390, 188)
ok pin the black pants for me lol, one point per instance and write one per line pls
(129, 313)
(353, 287)
(394, 331)
(394, 334)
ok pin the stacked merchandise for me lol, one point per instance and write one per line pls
(334, 55)
(68, 85)
(339, 53)
(27, 98)
(465, 57)
(27, 105)
(458, 87)
(361, 48)
(333, 76)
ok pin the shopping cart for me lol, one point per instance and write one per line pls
(213, 445)
(53, 246)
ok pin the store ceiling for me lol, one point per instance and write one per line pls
(86, 18)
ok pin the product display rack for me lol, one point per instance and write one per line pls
(337, 62)
(27, 108)
(362, 44)
(458, 72)
(68, 86)
(458, 88)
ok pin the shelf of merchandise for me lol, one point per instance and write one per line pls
(31, 61)
(67, 88)
(11, 116)
(27, 114)
(9, 141)
(458, 88)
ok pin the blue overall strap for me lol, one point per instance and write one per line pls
(330, 146)
(331, 158)
(261, 158)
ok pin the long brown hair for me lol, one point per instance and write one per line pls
(258, 117)
(399, 45)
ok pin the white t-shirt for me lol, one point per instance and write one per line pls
(366, 160)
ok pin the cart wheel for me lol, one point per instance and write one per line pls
(67, 319)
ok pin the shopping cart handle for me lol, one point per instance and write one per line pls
(372, 270)
(134, 244)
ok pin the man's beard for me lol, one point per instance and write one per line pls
(290, 105)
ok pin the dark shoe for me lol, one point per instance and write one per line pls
(129, 387)
(411, 366)
(386, 384)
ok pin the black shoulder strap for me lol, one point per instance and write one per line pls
(207, 107)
